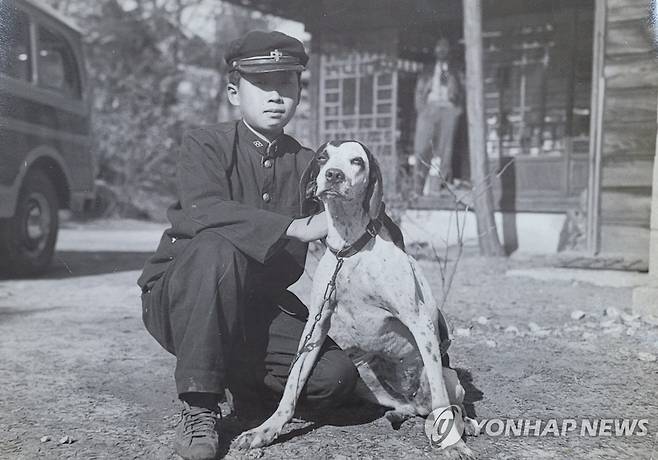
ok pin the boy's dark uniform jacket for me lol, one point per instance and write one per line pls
(231, 183)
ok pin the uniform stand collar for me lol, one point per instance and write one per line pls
(264, 147)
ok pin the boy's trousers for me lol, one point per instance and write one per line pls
(220, 313)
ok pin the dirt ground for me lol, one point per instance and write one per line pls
(75, 361)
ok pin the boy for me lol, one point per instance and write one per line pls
(215, 293)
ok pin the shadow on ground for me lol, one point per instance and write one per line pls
(67, 264)
(10, 312)
(70, 264)
(473, 394)
(351, 414)
(306, 420)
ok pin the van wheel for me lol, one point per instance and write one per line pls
(27, 240)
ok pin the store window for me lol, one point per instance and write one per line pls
(15, 43)
(56, 63)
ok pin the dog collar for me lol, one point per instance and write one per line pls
(372, 229)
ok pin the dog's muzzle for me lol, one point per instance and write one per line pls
(334, 175)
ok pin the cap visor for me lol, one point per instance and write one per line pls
(263, 68)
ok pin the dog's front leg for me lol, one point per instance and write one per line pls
(315, 332)
(423, 331)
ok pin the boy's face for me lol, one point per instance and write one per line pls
(267, 100)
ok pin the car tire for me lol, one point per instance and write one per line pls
(27, 240)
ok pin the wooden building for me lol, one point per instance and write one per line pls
(570, 100)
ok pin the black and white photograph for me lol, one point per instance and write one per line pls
(328, 229)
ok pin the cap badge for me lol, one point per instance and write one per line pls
(276, 54)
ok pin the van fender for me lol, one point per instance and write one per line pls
(9, 194)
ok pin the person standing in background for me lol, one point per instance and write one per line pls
(438, 100)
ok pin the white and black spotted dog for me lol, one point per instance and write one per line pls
(382, 312)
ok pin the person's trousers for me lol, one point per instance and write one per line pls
(213, 310)
(435, 133)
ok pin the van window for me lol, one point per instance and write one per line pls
(56, 64)
(14, 43)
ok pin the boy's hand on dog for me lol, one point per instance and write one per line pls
(308, 229)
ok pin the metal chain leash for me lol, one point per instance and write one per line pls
(328, 292)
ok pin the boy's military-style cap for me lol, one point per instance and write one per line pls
(259, 52)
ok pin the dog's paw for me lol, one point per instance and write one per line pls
(258, 437)
(459, 451)
(471, 427)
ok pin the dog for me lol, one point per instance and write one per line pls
(374, 299)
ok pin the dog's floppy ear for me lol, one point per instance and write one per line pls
(375, 191)
(308, 186)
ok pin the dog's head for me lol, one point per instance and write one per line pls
(345, 170)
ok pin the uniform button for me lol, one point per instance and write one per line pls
(267, 163)
(266, 197)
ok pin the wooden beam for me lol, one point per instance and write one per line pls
(596, 127)
(480, 177)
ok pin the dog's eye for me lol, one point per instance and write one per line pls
(322, 159)
(358, 161)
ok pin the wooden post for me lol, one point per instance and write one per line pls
(596, 130)
(480, 176)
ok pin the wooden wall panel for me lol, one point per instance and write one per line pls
(629, 241)
(628, 139)
(629, 37)
(634, 71)
(626, 207)
(631, 105)
(637, 172)
(628, 129)
(623, 10)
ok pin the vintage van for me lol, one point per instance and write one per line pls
(46, 161)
